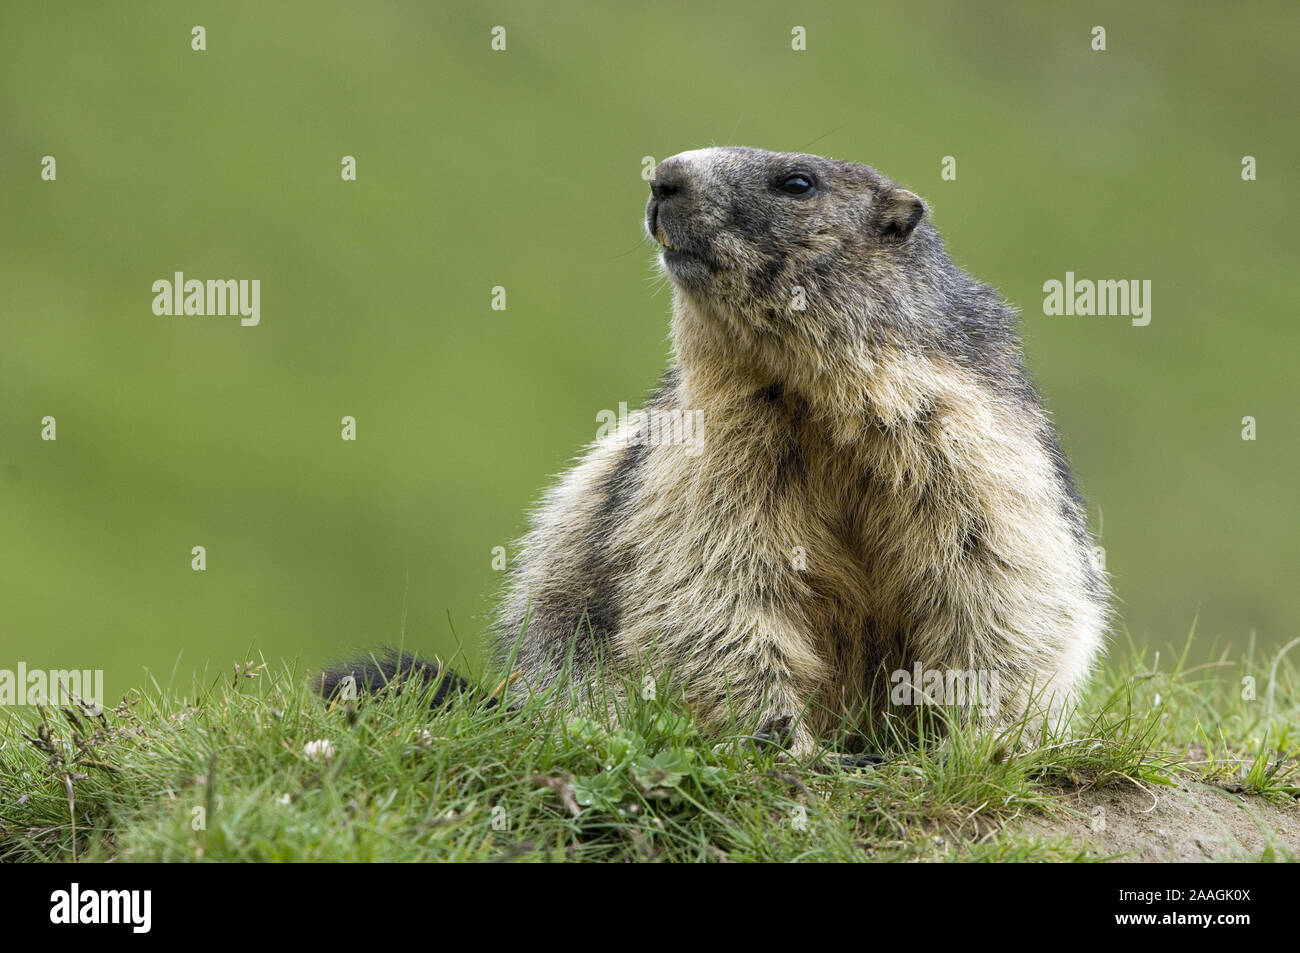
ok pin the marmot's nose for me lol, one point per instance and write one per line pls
(668, 179)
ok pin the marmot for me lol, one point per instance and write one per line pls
(872, 490)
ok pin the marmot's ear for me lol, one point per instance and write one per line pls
(897, 214)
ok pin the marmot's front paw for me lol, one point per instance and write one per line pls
(786, 733)
(796, 744)
(776, 732)
(847, 762)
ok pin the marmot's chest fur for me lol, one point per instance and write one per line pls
(873, 485)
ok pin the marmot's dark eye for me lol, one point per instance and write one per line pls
(797, 184)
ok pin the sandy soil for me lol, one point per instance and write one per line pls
(1194, 821)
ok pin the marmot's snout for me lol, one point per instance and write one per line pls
(681, 216)
(668, 185)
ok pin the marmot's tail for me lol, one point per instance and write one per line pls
(393, 670)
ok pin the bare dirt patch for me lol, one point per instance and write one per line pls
(1193, 821)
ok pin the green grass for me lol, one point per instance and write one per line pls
(224, 774)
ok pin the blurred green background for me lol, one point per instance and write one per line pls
(523, 169)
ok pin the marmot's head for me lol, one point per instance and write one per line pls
(797, 256)
(743, 227)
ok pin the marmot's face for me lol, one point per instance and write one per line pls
(775, 238)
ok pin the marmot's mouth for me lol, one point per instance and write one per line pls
(654, 228)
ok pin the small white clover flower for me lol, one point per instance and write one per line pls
(320, 750)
